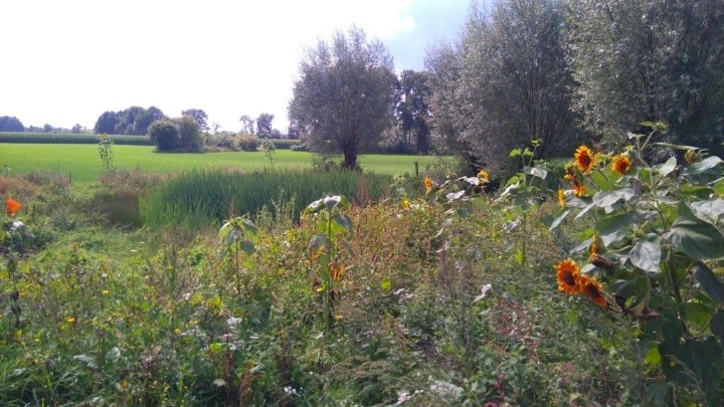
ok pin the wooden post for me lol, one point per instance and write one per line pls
(417, 169)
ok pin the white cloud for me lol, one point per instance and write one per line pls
(67, 62)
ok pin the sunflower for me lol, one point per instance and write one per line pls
(592, 289)
(621, 164)
(561, 198)
(428, 184)
(483, 176)
(570, 173)
(336, 271)
(579, 189)
(406, 203)
(584, 159)
(568, 275)
(12, 207)
(692, 156)
(594, 247)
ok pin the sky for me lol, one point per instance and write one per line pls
(67, 62)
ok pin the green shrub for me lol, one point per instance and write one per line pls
(247, 142)
(164, 134)
(189, 136)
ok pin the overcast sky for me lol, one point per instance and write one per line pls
(66, 62)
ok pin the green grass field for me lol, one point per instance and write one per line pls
(82, 164)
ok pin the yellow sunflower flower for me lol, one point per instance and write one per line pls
(579, 189)
(621, 164)
(570, 173)
(584, 159)
(561, 198)
(568, 274)
(336, 271)
(483, 176)
(592, 289)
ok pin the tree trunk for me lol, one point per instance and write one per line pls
(350, 160)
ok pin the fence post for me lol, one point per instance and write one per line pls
(417, 169)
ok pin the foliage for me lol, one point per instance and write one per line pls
(264, 124)
(412, 110)
(247, 142)
(199, 116)
(655, 60)
(164, 134)
(11, 123)
(189, 136)
(343, 99)
(134, 120)
(506, 82)
(657, 241)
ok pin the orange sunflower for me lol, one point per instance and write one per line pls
(12, 207)
(428, 184)
(561, 198)
(570, 173)
(584, 159)
(568, 275)
(621, 164)
(579, 188)
(592, 289)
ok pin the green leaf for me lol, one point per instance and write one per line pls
(601, 182)
(695, 191)
(315, 206)
(646, 254)
(676, 146)
(703, 165)
(608, 199)
(386, 285)
(717, 325)
(699, 239)
(710, 209)
(331, 202)
(652, 355)
(318, 241)
(667, 167)
(536, 171)
(344, 221)
(247, 246)
(557, 221)
(709, 281)
(613, 229)
(453, 196)
(515, 152)
(693, 362)
(583, 246)
(718, 186)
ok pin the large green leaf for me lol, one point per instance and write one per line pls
(666, 168)
(711, 209)
(693, 362)
(699, 239)
(536, 171)
(613, 229)
(709, 281)
(343, 221)
(703, 165)
(717, 325)
(608, 199)
(557, 221)
(646, 254)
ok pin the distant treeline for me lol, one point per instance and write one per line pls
(70, 138)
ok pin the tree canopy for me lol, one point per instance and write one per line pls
(199, 116)
(343, 99)
(134, 120)
(11, 123)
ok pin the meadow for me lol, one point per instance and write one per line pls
(80, 162)
(150, 290)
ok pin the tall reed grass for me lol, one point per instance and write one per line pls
(203, 198)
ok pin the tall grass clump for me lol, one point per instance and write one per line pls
(199, 198)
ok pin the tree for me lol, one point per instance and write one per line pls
(47, 128)
(247, 124)
(11, 123)
(343, 99)
(134, 120)
(164, 134)
(76, 129)
(264, 124)
(199, 116)
(508, 83)
(650, 60)
(412, 110)
(189, 136)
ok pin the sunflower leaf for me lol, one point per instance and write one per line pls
(709, 281)
(557, 221)
(646, 254)
(703, 165)
(667, 167)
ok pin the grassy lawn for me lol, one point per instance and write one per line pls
(82, 163)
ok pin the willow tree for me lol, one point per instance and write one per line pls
(343, 98)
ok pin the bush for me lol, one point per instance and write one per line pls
(164, 134)
(189, 136)
(247, 142)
